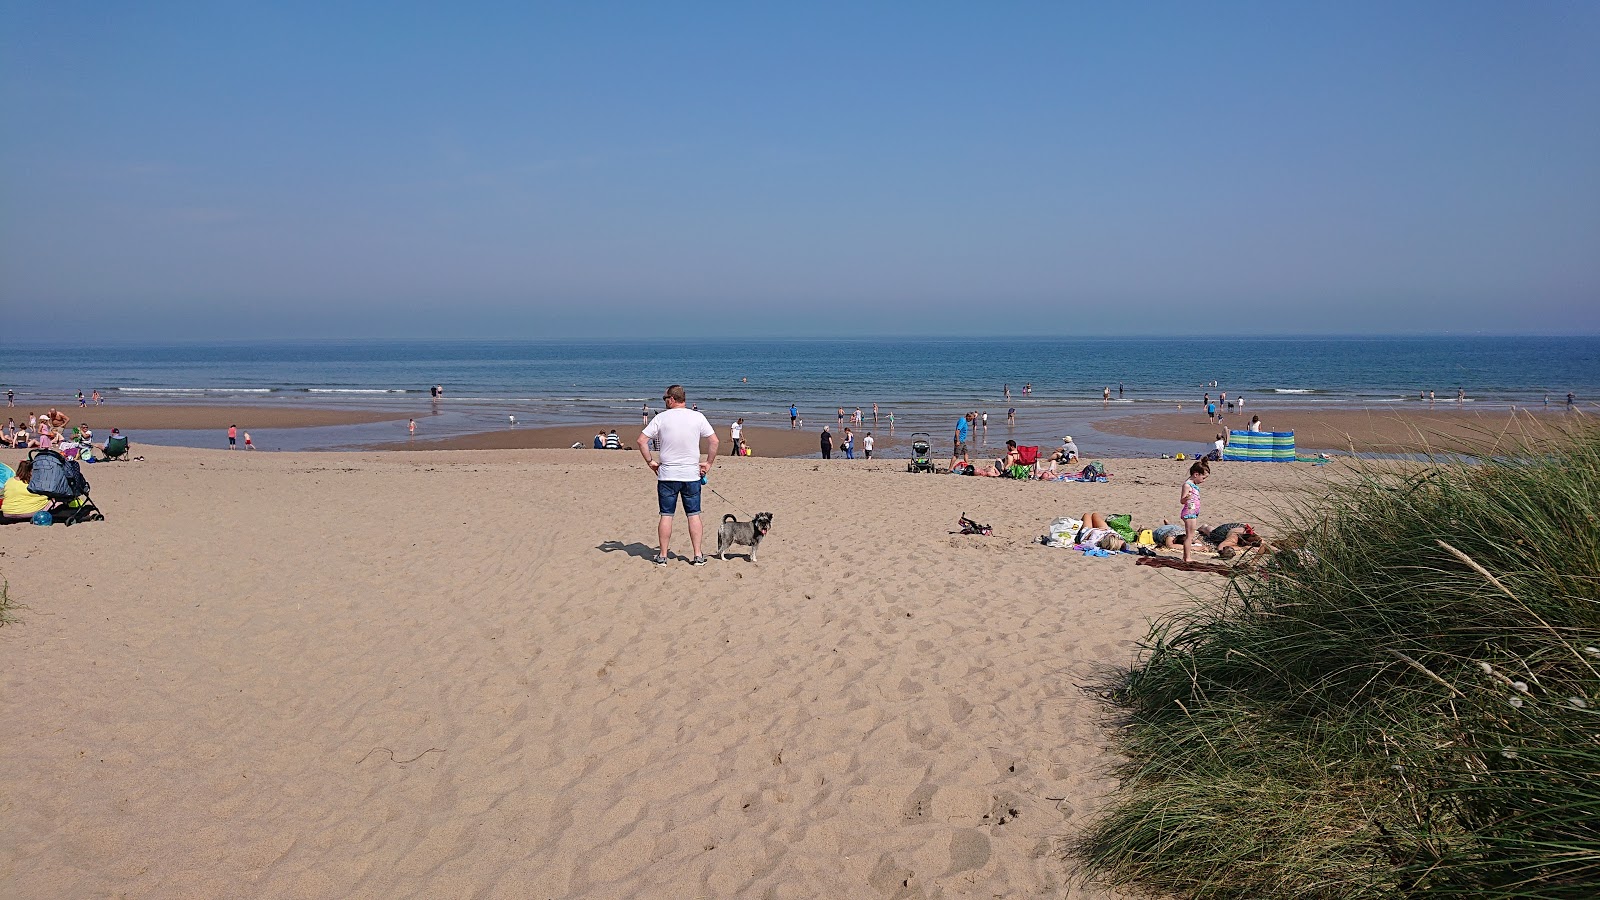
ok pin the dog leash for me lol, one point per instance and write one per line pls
(727, 501)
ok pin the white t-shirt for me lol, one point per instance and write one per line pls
(736, 429)
(867, 442)
(678, 432)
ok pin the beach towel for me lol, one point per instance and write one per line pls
(1122, 525)
(1260, 446)
(1167, 562)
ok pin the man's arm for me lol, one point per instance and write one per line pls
(644, 451)
(711, 453)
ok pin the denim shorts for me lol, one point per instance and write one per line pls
(667, 492)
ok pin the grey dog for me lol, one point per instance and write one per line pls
(748, 533)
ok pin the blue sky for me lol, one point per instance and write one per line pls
(228, 170)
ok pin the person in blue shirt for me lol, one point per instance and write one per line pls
(959, 453)
(794, 416)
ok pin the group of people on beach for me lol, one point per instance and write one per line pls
(847, 443)
(49, 431)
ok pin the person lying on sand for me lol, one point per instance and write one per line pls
(1095, 533)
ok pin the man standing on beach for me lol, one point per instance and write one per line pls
(737, 430)
(678, 469)
(959, 450)
(794, 416)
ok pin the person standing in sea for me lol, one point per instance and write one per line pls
(1461, 395)
(411, 427)
(874, 415)
(678, 469)
(1006, 390)
(794, 416)
(1570, 401)
(1119, 390)
(1011, 417)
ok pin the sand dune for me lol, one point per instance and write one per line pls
(456, 674)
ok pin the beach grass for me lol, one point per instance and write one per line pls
(7, 606)
(1407, 707)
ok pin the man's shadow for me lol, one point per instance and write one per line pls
(637, 550)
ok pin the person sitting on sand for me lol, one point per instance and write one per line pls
(1066, 453)
(1255, 423)
(1096, 533)
(612, 441)
(1012, 458)
(20, 504)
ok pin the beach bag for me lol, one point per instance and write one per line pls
(50, 478)
(1094, 470)
(1065, 529)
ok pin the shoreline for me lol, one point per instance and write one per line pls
(347, 429)
(1369, 431)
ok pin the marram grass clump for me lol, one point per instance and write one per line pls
(1407, 707)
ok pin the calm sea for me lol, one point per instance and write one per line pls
(924, 381)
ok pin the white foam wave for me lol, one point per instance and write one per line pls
(132, 390)
(1293, 391)
(356, 391)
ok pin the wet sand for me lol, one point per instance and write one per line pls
(203, 418)
(768, 442)
(1368, 431)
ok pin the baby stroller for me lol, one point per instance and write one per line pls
(62, 480)
(921, 452)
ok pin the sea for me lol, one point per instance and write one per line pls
(1057, 385)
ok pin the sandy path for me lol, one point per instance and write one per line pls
(460, 677)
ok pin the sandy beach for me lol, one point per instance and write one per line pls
(1378, 431)
(456, 673)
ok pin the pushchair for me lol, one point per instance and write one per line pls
(921, 452)
(62, 480)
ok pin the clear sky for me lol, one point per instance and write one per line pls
(238, 170)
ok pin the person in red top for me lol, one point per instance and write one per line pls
(233, 437)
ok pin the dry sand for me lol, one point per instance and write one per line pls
(456, 674)
(1381, 431)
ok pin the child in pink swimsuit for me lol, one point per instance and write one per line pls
(1189, 497)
